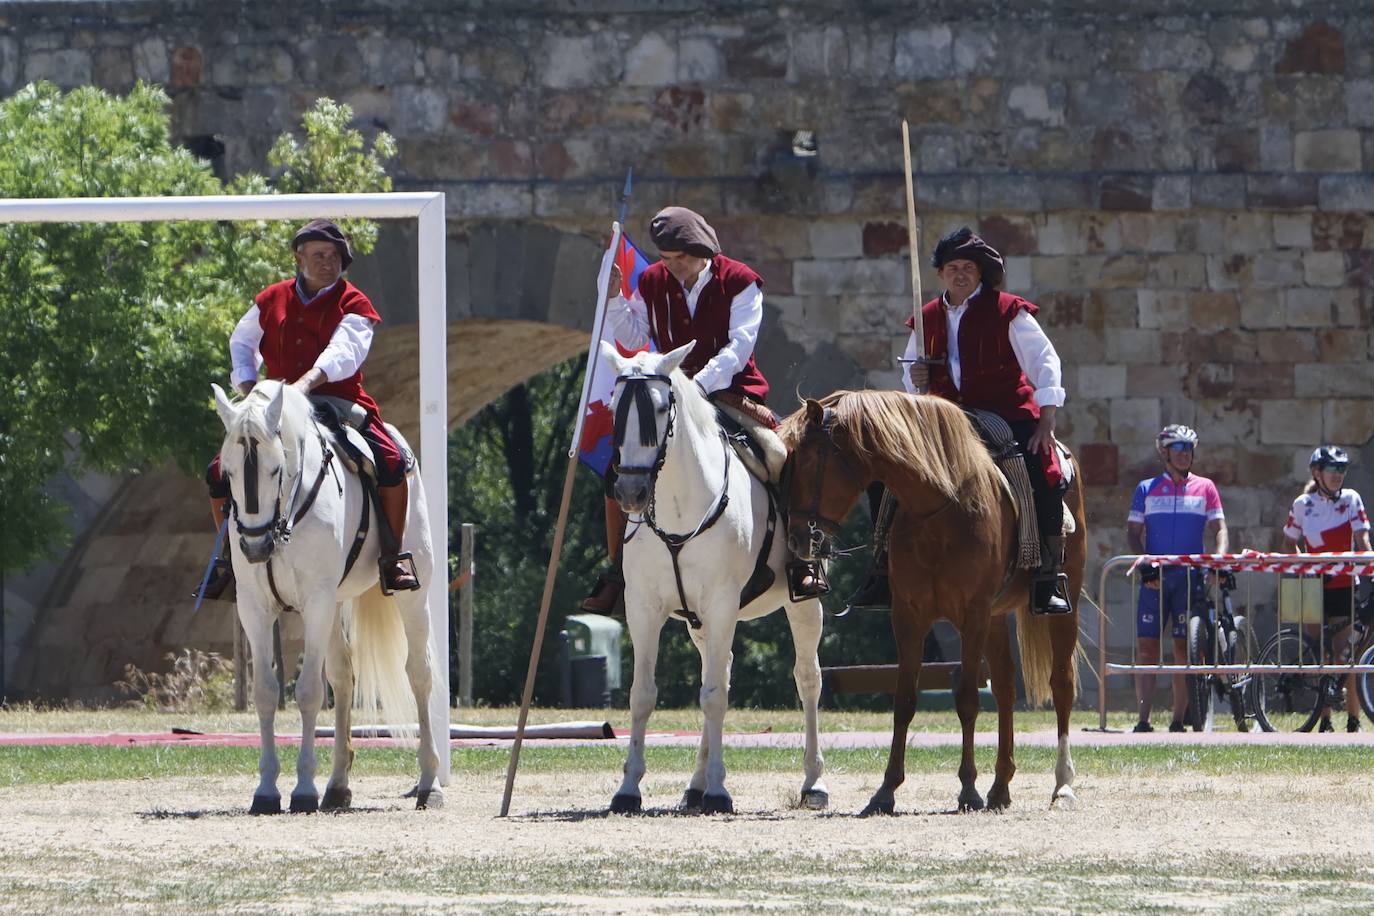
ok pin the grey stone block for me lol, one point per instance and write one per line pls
(925, 53)
(651, 61)
(69, 69)
(1345, 192)
(1327, 151)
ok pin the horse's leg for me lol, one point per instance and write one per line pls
(1004, 689)
(1064, 640)
(805, 620)
(318, 617)
(415, 621)
(645, 627)
(696, 786)
(910, 636)
(257, 627)
(339, 668)
(715, 697)
(973, 639)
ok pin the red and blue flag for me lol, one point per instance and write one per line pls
(598, 426)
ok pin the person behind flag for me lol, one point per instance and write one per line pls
(694, 293)
(1328, 517)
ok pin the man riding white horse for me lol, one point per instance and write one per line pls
(314, 331)
(694, 294)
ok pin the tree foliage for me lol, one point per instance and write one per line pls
(111, 333)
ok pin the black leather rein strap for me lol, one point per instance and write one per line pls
(675, 542)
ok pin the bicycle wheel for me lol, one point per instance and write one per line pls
(1364, 684)
(1199, 685)
(1287, 701)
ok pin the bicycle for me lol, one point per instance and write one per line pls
(1295, 700)
(1217, 635)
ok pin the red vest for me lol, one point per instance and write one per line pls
(295, 334)
(989, 375)
(671, 326)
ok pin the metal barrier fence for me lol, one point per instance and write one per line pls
(1252, 563)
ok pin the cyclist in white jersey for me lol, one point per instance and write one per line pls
(1327, 517)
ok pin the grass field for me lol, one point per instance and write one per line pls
(1159, 828)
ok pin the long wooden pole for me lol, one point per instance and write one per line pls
(544, 602)
(913, 235)
(593, 356)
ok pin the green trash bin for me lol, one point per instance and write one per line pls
(593, 636)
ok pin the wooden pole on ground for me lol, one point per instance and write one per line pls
(240, 666)
(593, 357)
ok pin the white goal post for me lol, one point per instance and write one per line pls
(427, 209)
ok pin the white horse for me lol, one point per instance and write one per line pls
(678, 473)
(298, 512)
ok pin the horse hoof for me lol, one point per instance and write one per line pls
(691, 799)
(717, 804)
(305, 804)
(337, 799)
(970, 800)
(999, 798)
(626, 804)
(878, 806)
(429, 798)
(1064, 799)
(266, 804)
(815, 799)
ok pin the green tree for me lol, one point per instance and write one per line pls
(111, 333)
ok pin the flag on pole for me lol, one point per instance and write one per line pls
(598, 425)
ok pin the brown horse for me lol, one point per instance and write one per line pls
(952, 554)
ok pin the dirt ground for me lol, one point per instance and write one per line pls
(1172, 842)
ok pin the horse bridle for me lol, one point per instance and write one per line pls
(278, 527)
(821, 531)
(636, 392)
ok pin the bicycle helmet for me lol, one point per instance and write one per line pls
(1329, 457)
(1175, 434)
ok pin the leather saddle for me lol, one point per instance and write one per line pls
(345, 419)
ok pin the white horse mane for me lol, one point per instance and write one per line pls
(695, 404)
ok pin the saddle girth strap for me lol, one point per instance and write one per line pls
(272, 584)
(762, 578)
(1028, 531)
(360, 538)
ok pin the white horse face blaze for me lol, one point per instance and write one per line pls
(635, 460)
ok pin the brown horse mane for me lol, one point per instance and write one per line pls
(929, 435)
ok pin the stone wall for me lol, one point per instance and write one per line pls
(1184, 188)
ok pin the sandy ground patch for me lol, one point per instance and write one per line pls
(155, 844)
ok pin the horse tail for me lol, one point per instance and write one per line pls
(1037, 654)
(378, 641)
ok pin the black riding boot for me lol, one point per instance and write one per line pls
(876, 592)
(1051, 585)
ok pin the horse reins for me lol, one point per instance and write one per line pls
(636, 392)
(278, 528)
(818, 526)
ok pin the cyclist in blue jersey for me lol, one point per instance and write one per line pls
(1170, 514)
